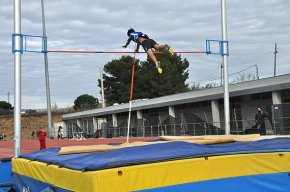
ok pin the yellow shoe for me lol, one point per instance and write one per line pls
(171, 51)
(159, 70)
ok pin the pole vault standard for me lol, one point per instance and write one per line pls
(225, 66)
(19, 47)
(222, 49)
(17, 78)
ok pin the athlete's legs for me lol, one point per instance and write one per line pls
(151, 55)
(161, 47)
(148, 45)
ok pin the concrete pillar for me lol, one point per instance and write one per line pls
(95, 124)
(77, 130)
(115, 124)
(276, 97)
(102, 128)
(139, 114)
(215, 113)
(79, 123)
(139, 118)
(171, 128)
(171, 111)
(101, 121)
(140, 124)
(65, 129)
(115, 120)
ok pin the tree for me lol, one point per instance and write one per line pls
(117, 79)
(171, 81)
(85, 101)
(243, 77)
(5, 106)
(148, 83)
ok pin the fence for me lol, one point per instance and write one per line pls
(280, 125)
(281, 119)
(277, 122)
(180, 129)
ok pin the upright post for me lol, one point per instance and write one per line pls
(257, 72)
(102, 87)
(275, 58)
(225, 66)
(221, 74)
(8, 95)
(48, 102)
(17, 78)
(131, 94)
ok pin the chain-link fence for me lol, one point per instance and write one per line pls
(192, 129)
(182, 129)
(281, 119)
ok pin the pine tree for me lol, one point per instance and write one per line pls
(148, 83)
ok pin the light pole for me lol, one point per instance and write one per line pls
(47, 86)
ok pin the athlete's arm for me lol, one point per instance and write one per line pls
(137, 48)
(127, 43)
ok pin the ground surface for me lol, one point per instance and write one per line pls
(27, 146)
(33, 122)
(28, 123)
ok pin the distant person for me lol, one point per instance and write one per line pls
(41, 137)
(59, 133)
(260, 121)
(33, 134)
(147, 44)
(3, 136)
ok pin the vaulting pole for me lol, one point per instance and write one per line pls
(17, 79)
(131, 94)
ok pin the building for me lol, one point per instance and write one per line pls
(195, 113)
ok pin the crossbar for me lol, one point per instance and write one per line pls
(121, 52)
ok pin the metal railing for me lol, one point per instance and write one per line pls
(155, 131)
(238, 127)
(281, 125)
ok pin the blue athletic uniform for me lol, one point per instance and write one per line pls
(147, 44)
(136, 35)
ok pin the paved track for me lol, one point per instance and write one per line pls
(27, 146)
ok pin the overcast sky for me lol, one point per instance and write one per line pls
(253, 29)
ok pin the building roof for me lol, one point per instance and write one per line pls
(245, 88)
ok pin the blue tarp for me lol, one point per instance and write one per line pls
(154, 153)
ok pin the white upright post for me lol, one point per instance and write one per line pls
(225, 67)
(102, 87)
(17, 78)
(48, 101)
